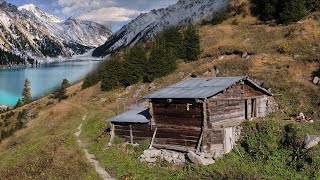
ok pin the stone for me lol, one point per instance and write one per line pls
(316, 80)
(103, 100)
(150, 160)
(296, 56)
(3, 108)
(152, 153)
(168, 159)
(199, 160)
(244, 55)
(152, 86)
(180, 75)
(311, 141)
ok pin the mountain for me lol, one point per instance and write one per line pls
(149, 24)
(28, 31)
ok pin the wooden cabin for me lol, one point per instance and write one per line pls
(132, 125)
(199, 114)
(203, 114)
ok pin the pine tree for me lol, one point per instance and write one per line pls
(111, 74)
(135, 63)
(161, 62)
(62, 93)
(292, 11)
(19, 103)
(313, 5)
(26, 93)
(192, 44)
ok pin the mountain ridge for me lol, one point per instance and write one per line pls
(28, 31)
(147, 25)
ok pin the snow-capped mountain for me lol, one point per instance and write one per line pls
(28, 31)
(39, 13)
(148, 24)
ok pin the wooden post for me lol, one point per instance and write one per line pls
(131, 134)
(204, 126)
(153, 123)
(153, 137)
(205, 117)
(112, 134)
(199, 143)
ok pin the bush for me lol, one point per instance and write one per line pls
(219, 17)
(284, 48)
(284, 11)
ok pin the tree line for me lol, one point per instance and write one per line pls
(147, 61)
(7, 58)
(284, 11)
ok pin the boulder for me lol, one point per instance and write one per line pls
(316, 80)
(199, 160)
(311, 141)
(150, 160)
(152, 153)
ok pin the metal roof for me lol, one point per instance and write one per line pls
(136, 115)
(200, 88)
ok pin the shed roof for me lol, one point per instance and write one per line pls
(200, 88)
(136, 115)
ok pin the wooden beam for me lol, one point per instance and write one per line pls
(112, 133)
(152, 115)
(153, 137)
(200, 142)
(174, 147)
(131, 135)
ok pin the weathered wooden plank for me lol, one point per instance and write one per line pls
(189, 143)
(177, 115)
(227, 116)
(174, 147)
(187, 128)
(177, 110)
(178, 122)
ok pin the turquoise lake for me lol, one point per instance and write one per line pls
(44, 79)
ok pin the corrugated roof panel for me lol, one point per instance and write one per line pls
(199, 88)
(136, 115)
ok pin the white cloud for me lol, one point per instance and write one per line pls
(110, 14)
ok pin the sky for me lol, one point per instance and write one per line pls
(112, 13)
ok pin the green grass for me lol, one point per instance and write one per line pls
(265, 153)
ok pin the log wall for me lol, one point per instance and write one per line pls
(139, 131)
(177, 126)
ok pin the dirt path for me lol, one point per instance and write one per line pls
(101, 171)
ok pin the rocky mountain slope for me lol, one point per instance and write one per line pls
(28, 31)
(149, 24)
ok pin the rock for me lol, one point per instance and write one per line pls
(311, 141)
(152, 153)
(152, 86)
(316, 80)
(168, 159)
(128, 88)
(244, 55)
(138, 91)
(3, 108)
(151, 160)
(200, 160)
(180, 75)
(103, 100)
(296, 56)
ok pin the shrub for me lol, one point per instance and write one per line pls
(284, 48)
(219, 17)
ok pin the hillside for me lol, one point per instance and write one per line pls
(284, 58)
(147, 25)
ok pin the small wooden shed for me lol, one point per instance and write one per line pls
(132, 125)
(203, 114)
